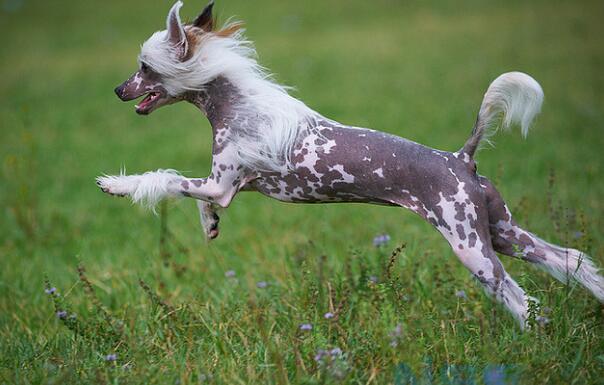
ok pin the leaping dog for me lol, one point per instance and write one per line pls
(267, 141)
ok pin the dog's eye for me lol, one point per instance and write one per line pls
(144, 67)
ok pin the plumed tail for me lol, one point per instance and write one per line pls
(512, 98)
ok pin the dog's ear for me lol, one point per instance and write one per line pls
(205, 20)
(176, 31)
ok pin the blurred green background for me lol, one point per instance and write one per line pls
(416, 69)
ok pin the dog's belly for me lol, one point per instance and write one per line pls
(298, 189)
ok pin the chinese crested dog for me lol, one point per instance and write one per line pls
(267, 141)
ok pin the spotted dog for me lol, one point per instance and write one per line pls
(265, 140)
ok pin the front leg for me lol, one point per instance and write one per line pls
(208, 215)
(152, 187)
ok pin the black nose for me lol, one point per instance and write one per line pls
(118, 91)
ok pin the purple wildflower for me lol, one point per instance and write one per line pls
(333, 362)
(50, 291)
(262, 285)
(381, 240)
(461, 294)
(541, 320)
(305, 327)
(328, 354)
(62, 314)
(328, 315)
(230, 273)
(111, 357)
(373, 279)
(335, 352)
(320, 354)
(395, 335)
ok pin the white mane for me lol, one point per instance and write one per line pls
(266, 146)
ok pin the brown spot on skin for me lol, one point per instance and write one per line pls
(472, 238)
(460, 232)
(185, 184)
(526, 240)
(484, 281)
(196, 182)
(460, 211)
(472, 221)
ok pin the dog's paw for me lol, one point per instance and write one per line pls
(213, 232)
(210, 225)
(118, 185)
(209, 222)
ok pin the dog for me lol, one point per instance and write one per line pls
(267, 141)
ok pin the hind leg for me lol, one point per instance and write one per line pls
(462, 218)
(483, 263)
(562, 263)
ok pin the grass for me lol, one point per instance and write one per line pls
(170, 315)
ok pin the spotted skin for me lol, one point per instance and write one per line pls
(331, 163)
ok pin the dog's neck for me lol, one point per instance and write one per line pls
(218, 101)
(261, 119)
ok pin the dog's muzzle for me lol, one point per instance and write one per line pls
(123, 93)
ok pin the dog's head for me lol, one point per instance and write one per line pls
(170, 63)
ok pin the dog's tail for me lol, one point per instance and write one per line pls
(512, 98)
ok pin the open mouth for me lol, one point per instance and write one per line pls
(145, 106)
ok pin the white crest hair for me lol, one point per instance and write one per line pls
(266, 146)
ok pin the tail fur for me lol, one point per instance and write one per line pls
(512, 98)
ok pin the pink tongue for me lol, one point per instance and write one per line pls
(146, 101)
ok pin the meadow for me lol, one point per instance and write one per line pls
(95, 290)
